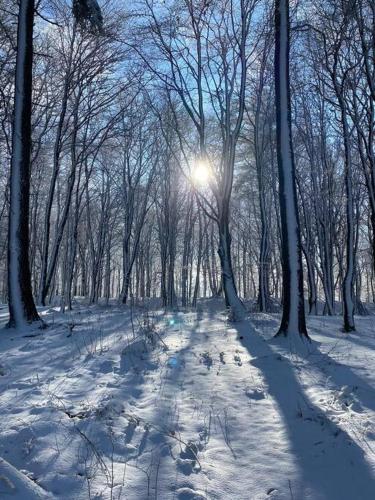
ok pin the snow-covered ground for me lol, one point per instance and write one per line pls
(111, 404)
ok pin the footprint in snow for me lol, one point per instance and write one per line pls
(271, 493)
(256, 394)
(37, 410)
(105, 367)
(187, 462)
(187, 493)
(206, 359)
(237, 360)
(345, 399)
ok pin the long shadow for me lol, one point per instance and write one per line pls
(149, 443)
(339, 374)
(355, 337)
(165, 424)
(56, 347)
(164, 413)
(332, 465)
(332, 322)
(136, 362)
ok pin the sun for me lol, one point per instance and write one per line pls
(201, 174)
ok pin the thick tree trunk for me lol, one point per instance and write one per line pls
(21, 303)
(293, 318)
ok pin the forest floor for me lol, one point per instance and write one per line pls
(107, 403)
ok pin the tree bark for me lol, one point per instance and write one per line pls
(21, 302)
(293, 317)
(232, 301)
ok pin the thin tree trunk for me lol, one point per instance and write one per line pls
(348, 282)
(199, 260)
(232, 301)
(54, 177)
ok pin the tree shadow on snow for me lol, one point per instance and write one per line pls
(358, 337)
(338, 374)
(166, 443)
(332, 465)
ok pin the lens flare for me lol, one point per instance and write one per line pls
(201, 173)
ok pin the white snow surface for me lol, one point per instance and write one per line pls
(190, 407)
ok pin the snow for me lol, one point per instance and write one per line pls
(109, 403)
(15, 483)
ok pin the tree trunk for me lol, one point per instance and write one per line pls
(348, 282)
(189, 225)
(55, 172)
(232, 301)
(313, 309)
(293, 317)
(21, 303)
(199, 260)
